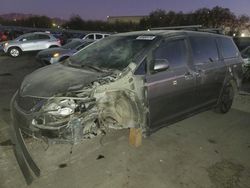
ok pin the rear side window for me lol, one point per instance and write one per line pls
(204, 49)
(228, 48)
(43, 37)
(174, 51)
(98, 36)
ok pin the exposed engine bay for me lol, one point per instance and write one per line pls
(115, 101)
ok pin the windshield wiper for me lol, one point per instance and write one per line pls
(86, 66)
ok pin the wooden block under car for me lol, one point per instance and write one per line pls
(135, 137)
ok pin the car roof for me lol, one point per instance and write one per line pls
(97, 34)
(170, 33)
(43, 33)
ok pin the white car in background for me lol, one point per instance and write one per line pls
(95, 36)
(30, 42)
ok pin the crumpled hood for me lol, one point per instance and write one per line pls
(52, 51)
(53, 79)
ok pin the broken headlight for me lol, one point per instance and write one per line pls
(61, 108)
(55, 114)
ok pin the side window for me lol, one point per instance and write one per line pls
(90, 37)
(228, 48)
(204, 49)
(43, 37)
(28, 38)
(174, 51)
(98, 36)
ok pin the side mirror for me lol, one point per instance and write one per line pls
(160, 65)
(24, 40)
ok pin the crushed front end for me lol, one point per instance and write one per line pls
(115, 101)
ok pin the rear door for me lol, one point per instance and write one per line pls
(42, 41)
(210, 69)
(170, 93)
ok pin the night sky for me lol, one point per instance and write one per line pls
(100, 9)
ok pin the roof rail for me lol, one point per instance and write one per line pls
(191, 28)
(177, 27)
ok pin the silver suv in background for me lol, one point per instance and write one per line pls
(30, 42)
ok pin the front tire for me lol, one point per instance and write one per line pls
(226, 99)
(14, 52)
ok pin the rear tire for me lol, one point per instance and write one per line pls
(226, 99)
(14, 52)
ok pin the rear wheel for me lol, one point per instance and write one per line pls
(15, 52)
(226, 99)
(54, 46)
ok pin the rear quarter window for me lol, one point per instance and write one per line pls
(228, 48)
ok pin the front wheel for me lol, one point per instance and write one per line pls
(226, 99)
(14, 52)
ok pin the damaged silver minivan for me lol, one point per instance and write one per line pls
(132, 80)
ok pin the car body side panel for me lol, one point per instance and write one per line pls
(210, 77)
(170, 95)
(27, 45)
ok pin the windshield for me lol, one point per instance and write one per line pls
(114, 52)
(73, 44)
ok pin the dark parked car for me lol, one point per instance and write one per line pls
(132, 80)
(242, 42)
(245, 53)
(55, 55)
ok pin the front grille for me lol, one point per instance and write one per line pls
(27, 103)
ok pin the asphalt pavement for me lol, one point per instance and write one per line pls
(207, 150)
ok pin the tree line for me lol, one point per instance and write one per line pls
(33, 21)
(216, 17)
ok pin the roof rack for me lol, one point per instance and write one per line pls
(191, 28)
